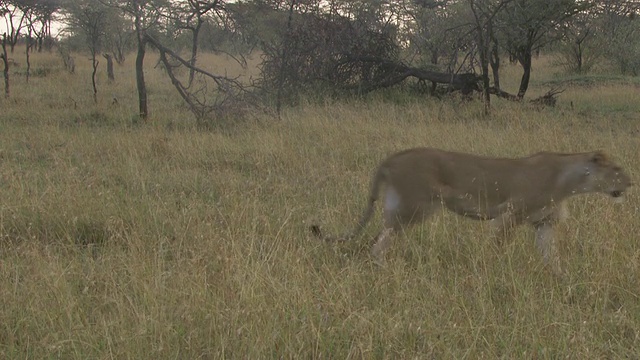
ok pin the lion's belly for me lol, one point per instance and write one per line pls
(475, 208)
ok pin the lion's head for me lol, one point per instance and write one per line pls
(605, 176)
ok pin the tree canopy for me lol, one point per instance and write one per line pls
(337, 47)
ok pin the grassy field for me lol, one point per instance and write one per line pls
(158, 240)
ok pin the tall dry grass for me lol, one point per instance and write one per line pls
(161, 241)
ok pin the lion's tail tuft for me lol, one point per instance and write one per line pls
(315, 230)
(377, 182)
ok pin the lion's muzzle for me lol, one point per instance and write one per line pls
(616, 193)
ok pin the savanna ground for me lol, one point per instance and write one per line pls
(159, 240)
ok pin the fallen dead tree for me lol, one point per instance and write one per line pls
(389, 73)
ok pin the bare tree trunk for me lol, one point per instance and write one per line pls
(27, 53)
(5, 59)
(94, 63)
(434, 61)
(485, 81)
(194, 50)
(579, 57)
(525, 61)
(118, 52)
(494, 61)
(283, 60)
(483, 30)
(14, 31)
(13, 40)
(110, 74)
(142, 44)
(119, 56)
(28, 60)
(46, 35)
(142, 87)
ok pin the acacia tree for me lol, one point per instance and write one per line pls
(221, 101)
(38, 17)
(29, 43)
(89, 17)
(5, 60)
(432, 36)
(306, 49)
(145, 15)
(208, 95)
(3, 54)
(14, 22)
(150, 19)
(620, 26)
(119, 36)
(581, 47)
(525, 26)
(190, 16)
(484, 13)
(35, 15)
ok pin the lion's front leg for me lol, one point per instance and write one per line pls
(546, 244)
(544, 223)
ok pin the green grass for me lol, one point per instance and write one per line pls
(156, 240)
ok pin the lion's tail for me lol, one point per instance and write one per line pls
(377, 182)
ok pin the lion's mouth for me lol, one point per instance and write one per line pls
(616, 193)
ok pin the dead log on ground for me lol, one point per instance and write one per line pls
(389, 73)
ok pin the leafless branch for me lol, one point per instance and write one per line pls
(229, 93)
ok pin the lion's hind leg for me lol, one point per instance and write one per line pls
(391, 221)
(383, 242)
(398, 213)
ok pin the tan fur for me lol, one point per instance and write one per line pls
(508, 192)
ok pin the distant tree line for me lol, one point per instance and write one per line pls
(334, 47)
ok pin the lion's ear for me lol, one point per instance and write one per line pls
(599, 157)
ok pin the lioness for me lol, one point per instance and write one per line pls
(506, 191)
